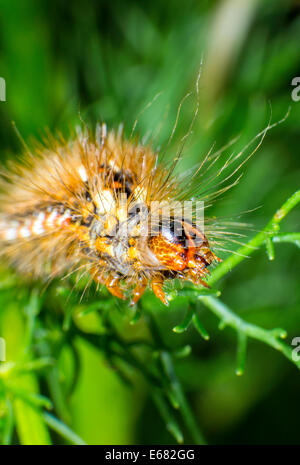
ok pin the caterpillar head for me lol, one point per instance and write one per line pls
(182, 248)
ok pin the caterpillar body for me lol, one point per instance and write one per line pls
(62, 209)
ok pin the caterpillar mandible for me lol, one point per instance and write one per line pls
(62, 208)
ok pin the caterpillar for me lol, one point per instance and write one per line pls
(87, 203)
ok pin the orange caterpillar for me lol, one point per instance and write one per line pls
(61, 210)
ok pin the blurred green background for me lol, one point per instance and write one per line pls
(65, 62)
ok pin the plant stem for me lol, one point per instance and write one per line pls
(271, 229)
(229, 318)
(62, 429)
(183, 405)
(9, 424)
(170, 421)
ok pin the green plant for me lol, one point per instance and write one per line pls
(66, 356)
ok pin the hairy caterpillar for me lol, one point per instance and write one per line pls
(63, 209)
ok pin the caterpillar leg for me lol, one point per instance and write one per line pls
(200, 281)
(197, 280)
(112, 284)
(157, 284)
(138, 291)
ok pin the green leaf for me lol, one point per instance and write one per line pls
(199, 327)
(62, 429)
(30, 424)
(171, 424)
(185, 323)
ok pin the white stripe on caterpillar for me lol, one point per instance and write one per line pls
(37, 225)
(82, 173)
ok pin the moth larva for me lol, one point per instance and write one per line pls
(87, 203)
